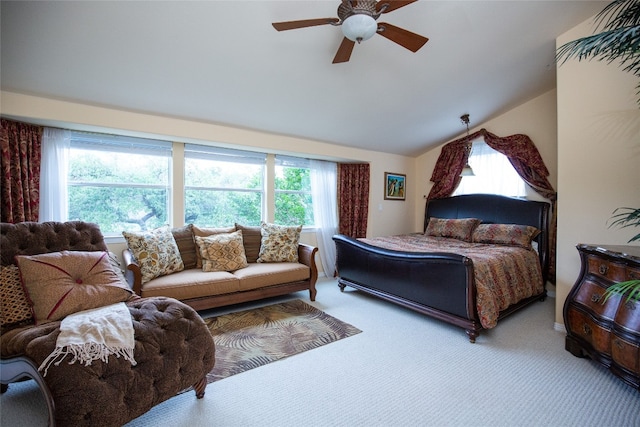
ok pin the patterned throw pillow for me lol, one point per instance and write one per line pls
(222, 252)
(15, 306)
(62, 283)
(155, 251)
(505, 234)
(279, 243)
(460, 229)
(206, 232)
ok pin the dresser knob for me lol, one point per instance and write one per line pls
(630, 305)
(603, 269)
(595, 297)
(618, 344)
(633, 275)
(586, 329)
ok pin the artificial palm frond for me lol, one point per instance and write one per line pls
(631, 288)
(619, 39)
(626, 217)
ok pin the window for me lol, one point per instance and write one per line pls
(494, 174)
(223, 186)
(118, 182)
(293, 191)
(126, 184)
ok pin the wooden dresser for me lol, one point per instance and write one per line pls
(608, 333)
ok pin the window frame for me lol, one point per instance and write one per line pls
(230, 157)
(127, 145)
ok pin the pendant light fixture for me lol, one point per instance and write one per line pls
(467, 171)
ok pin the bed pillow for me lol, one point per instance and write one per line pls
(205, 232)
(155, 251)
(62, 283)
(505, 234)
(461, 229)
(14, 304)
(279, 243)
(252, 238)
(222, 252)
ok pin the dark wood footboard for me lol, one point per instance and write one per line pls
(440, 285)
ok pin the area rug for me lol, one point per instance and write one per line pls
(253, 338)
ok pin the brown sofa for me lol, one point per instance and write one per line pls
(203, 289)
(173, 347)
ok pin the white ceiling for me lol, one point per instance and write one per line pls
(222, 62)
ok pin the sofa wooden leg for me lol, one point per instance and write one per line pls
(200, 387)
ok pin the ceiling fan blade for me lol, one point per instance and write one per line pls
(404, 38)
(292, 25)
(344, 51)
(393, 4)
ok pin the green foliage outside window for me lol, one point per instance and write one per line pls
(130, 191)
(293, 197)
(118, 191)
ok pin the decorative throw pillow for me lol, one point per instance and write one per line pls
(205, 232)
(155, 251)
(15, 306)
(505, 234)
(252, 238)
(186, 245)
(61, 283)
(222, 252)
(461, 229)
(279, 243)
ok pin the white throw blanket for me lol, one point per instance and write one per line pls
(94, 334)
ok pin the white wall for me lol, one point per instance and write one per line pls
(598, 157)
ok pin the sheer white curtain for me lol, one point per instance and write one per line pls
(493, 173)
(325, 211)
(53, 174)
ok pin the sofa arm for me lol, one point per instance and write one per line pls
(307, 256)
(132, 271)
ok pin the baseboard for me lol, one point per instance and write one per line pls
(559, 327)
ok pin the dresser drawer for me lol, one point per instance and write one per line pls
(632, 274)
(608, 270)
(583, 326)
(591, 296)
(625, 354)
(628, 316)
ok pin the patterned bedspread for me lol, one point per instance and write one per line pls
(504, 275)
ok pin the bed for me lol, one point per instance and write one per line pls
(455, 279)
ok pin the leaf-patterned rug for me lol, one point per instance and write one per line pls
(253, 338)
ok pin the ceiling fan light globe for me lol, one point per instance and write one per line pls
(359, 27)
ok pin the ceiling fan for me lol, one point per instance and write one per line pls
(358, 20)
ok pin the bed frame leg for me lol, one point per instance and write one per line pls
(472, 335)
(341, 286)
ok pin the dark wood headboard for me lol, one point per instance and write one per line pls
(494, 209)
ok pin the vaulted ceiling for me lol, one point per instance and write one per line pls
(223, 62)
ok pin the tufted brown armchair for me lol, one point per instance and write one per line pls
(173, 348)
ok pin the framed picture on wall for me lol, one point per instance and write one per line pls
(395, 185)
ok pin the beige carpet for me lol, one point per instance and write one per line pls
(253, 338)
(405, 369)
